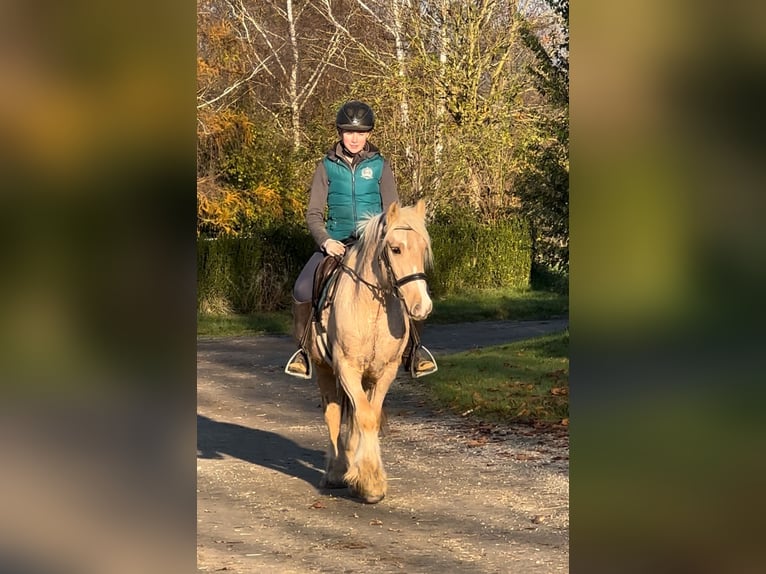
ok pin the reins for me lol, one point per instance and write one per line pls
(377, 290)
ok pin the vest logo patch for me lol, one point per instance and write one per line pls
(366, 173)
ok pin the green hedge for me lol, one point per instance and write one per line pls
(475, 255)
(246, 275)
(254, 274)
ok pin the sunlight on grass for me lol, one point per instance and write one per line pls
(526, 381)
(484, 305)
(499, 304)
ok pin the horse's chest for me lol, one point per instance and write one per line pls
(372, 346)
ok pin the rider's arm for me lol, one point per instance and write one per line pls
(388, 193)
(317, 204)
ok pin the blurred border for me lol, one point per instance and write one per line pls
(667, 278)
(97, 288)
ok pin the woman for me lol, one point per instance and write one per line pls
(353, 181)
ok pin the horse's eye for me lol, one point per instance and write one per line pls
(396, 250)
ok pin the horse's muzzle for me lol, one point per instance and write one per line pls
(421, 310)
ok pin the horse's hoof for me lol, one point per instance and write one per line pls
(373, 499)
(366, 498)
(331, 484)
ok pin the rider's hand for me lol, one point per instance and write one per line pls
(333, 247)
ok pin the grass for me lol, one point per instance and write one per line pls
(496, 304)
(277, 323)
(525, 381)
(485, 305)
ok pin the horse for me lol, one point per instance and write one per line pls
(358, 343)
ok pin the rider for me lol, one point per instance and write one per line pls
(351, 182)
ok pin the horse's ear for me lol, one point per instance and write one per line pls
(392, 213)
(420, 208)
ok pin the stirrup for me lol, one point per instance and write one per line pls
(426, 355)
(293, 358)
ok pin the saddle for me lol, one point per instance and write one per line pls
(324, 281)
(322, 294)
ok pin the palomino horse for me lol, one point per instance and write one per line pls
(358, 345)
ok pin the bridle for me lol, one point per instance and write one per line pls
(396, 282)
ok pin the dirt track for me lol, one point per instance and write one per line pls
(462, 497)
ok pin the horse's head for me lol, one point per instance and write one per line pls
(406, 254)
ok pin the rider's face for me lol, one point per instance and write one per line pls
(354, 141)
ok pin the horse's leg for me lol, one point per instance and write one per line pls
(331, 404)
(366, 475)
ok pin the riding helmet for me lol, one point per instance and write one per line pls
(355, 116)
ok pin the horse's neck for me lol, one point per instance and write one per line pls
(368, 308)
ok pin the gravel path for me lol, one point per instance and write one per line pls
(463, 497)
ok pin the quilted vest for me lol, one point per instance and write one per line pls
(353, 194)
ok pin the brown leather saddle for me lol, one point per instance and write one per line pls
(324, 285)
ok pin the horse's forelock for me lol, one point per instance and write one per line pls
(408, 217)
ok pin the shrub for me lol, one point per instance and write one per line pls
(250, 274)
(256, 273)
(468, 254)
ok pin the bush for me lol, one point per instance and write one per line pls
(256, 273)
(251, 274)
(468, 254)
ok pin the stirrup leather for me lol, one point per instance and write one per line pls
(293, 358)
(425, 354)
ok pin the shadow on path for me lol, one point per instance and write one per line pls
(270, 450)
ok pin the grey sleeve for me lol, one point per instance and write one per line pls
(388, 193)
(315, 218)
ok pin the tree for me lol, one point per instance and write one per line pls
(286, 50)
(471, 99)
(543, 185)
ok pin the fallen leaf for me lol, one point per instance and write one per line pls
(318, 504)
(523, 456)
(476, 442)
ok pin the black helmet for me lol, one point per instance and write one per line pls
(355, 116)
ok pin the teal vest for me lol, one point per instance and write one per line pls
(352, 195)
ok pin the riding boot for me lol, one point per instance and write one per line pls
(417, 359)
(299, 364)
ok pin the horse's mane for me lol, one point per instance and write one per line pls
(372, 231)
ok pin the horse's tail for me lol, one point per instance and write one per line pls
(383, 423)
(347, 413)
(346, 409)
